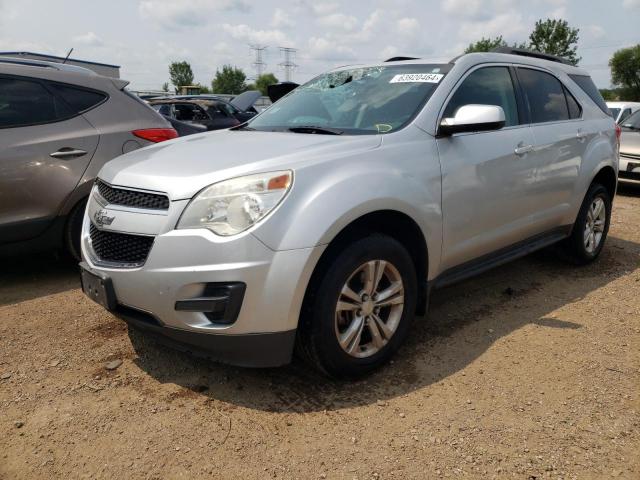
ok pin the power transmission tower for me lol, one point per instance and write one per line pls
(288, 64)
(258, 63)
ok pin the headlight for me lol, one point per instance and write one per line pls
(232, 206)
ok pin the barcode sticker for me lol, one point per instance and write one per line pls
(417, 78)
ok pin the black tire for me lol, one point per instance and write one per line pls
(73, 230)
(573, 248)
(317, 336)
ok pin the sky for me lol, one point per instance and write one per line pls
(144, 36)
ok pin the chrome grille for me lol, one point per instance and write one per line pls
(132, 198)
(120, 248)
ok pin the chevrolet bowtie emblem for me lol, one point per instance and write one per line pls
(101, 218)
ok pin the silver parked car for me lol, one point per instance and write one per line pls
(630, 148)
(324, 221)
(59, 124)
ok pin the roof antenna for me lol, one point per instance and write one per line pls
(68, 54)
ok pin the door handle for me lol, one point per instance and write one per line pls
(68, 152)
(521, 150)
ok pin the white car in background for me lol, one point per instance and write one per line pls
(622, 110)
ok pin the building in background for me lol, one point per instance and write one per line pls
(100, 68)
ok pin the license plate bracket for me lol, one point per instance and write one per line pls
(98, 287)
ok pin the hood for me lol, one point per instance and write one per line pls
(630, 142)
(245, 100)
(184, 166)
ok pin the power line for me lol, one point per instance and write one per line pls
(288, 64)
(258, 63)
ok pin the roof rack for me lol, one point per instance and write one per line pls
(400, 59)
(531, 53)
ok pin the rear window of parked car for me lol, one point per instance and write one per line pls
(26, 102)
(79, 99)
(586, 84)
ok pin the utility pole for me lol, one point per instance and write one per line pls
(288, 64)
(258, 63)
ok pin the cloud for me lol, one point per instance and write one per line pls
(173, 14)
(594, 31)
(338, 21)
(282, 19)
(631, 4)
(321, 48)
(266, 37)
(407, 26)
(89, 39)
(463, 8)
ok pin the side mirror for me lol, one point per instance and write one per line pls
(473, 118)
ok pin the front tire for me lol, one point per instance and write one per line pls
(358, 310)
(591, 227)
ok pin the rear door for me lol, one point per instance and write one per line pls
(560, 137)
(46, 146)
(487, 177)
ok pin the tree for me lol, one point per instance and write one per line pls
(262, 82)
(165, 87)
(230, 80)
(181, 74)
(625, 72)
(555, 37)
(486, 45)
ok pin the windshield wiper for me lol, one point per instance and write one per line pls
(314, 129)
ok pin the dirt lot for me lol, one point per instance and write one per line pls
(529, 371)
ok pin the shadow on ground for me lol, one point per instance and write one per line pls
(463, 322)
(31, 276)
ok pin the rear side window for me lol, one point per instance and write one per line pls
(625, 114)
(545, 94)
(79, 99)
(574, 107)
(586, 84)
(487, 86)
(27, 102)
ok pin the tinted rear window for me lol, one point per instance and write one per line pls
(545, 94)
(586, 84)
(79, 99)
(26, 102)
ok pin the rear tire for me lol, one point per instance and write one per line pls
(591, 227)
(358, 310)
(73, 230)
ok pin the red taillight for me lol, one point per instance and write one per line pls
(156, 135)
(618, 132)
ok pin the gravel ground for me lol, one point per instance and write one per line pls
(529, 371)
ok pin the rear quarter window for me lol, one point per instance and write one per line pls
(79, 99)
(587, 85)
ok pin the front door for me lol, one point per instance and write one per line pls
(487, 177)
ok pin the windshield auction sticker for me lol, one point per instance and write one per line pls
(417, 78)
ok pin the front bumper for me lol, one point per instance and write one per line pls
(629, 168)
(162, 295)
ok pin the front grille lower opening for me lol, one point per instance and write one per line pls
(120, 248)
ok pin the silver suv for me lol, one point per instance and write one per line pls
(59, 124)
(323, 222)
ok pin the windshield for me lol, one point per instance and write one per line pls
(632, 121)
(365, 100)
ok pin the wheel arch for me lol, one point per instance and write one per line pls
(396, 224)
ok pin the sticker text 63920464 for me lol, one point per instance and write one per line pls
(417, 77)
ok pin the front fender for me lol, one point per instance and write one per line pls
(327, 197)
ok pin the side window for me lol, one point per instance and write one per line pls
(575, 111)
(625, 113)
(79, 99)
(545, 95)
(487, 86)
(27, 102)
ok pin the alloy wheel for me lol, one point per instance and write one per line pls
(594, 226)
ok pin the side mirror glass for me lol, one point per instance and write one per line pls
(473, 118)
